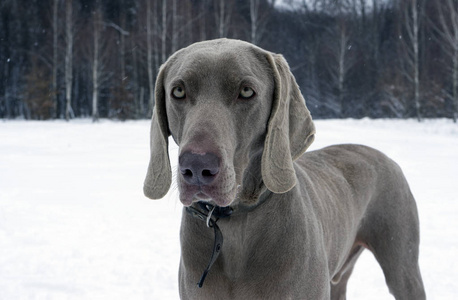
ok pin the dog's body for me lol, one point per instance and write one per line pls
(242, 127)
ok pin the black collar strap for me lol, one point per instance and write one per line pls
(215, 211)
(217, 245)
(208, 212)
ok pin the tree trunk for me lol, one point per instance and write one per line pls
(416, 61)
(175, 28)
(139, 112)
(54, 93)
(122, 55)
(164, 30)
(448, 17)
(222, 23)
(157, 33)
(203, 27)
(95, 66)
(254, 17)
(455, 79)
(342, 71)
(222, 15)
(149, 49)
(69, 61)
(410, 61)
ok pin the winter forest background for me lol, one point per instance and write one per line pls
(351, 58)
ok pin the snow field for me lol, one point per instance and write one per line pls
(74, 223)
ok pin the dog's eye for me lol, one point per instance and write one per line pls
(178, 92)
(246, 93)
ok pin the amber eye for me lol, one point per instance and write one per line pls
(178, 92)
(246, 93)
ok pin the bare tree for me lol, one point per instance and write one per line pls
(448, 15)
(164, 31)
(362, 4)
(96, 62)
(254, 18)
(258, 17)
(149, 54)
(139, 90)
(203, 21)
(312, 90)
(413, 34)
(341, 60)
(175, 28)
(375, 36)
(410, 46)
(223, 12)
(122, 45)
(69, 35)
(54, 56)
(100, 54)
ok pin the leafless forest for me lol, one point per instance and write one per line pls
(351, 58)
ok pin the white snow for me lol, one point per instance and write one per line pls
(74, 223)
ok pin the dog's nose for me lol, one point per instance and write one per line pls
(199, 169)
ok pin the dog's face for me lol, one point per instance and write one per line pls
(222, 102)
(218, 105)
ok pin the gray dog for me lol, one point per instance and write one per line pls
(294, 224)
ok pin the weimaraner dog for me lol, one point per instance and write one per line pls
(293, 223)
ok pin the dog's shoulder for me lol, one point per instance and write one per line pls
(356, 163)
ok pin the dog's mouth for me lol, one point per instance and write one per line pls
(190, 194)
(201, 196)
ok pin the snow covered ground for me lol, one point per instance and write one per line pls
(74, 223)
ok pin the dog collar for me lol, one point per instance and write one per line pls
(211, 223)
(210, 214)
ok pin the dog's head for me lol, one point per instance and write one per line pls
(239, 120)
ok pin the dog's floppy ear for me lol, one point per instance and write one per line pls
(159, 175)
(290, 130)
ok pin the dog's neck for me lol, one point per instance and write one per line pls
(210, 214)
